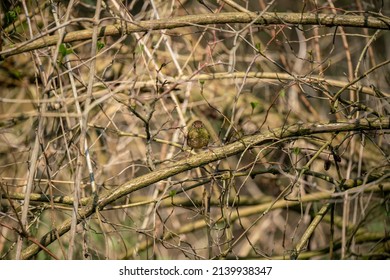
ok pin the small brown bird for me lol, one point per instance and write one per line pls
(198, 136)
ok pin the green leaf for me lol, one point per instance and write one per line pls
(100, 45)
(296, 150)
(62, 50)
(258, 47)
(254, 105)
(172, 193)
(12, 15)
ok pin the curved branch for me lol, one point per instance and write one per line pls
(99, 202)
(330, 20)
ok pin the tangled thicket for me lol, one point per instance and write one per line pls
(95, 103)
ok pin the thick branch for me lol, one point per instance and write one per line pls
(331, 20)
(203, 158)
